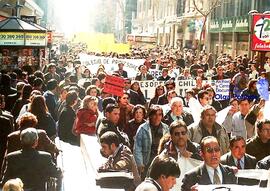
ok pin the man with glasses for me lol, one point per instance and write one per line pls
(147, 139)
(179, 144)
(211, 171)
(208, 126)
(259, 146)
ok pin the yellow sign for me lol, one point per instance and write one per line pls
(99, 42)
(35, 39)
(11, 38)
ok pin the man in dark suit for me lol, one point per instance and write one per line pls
(121, 70)
(211, 171)
(238, 157)
(143, 74)
(50, 97)
(32, 166)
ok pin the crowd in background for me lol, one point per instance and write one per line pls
(51, 101)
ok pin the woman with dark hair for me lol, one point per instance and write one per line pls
(138, 118)
(160, 90)
(136, 95)
(24, 99)
(86, 73)
(45, 121)
(251, 92)
(125, 110)
(67, 118)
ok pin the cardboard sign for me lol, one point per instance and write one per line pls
(114, 85)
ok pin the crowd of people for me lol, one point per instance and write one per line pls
(134, 133)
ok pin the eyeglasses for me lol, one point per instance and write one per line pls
(212, 150)
(177, 134)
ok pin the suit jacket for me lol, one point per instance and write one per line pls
(250, 161)
(200, 175)
(148, 77)
(122, 73)
(32, 167)
(51, 103)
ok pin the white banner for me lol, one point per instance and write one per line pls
(221, 87)
(229, 187)
(111, 64)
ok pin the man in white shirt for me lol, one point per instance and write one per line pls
(211, 171)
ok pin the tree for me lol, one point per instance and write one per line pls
(205, 11)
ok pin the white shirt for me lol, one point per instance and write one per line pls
(242, 162)
(211, 170)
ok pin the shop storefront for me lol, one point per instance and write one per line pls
(229, 35)
(21, 44)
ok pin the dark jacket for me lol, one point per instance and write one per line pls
(187, 118)
(200, 175)
(47, 123)
(257, 148)
(65, 125)
(51, 103)
(136, 98)
(148, 77)
(106, 125)
(250, 161)
(122, 73)
(32, 167)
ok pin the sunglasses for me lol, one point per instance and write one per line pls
(177, 134)
(212, 150)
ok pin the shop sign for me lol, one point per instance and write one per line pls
(215, 26)
(35, 39)
(260, 32)
(241, 24)
(11, 39)
(29, 19)
(227, 25)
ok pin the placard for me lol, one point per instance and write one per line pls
(114, 85)
(261, 32)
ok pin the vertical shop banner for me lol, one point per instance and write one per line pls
(261, 32)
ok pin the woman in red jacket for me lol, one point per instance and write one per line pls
(86, 117)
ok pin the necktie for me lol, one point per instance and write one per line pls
(238, 164)
(216, 179)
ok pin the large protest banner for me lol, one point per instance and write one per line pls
(221, 87)
(111, 64)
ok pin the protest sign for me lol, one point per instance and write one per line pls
(221, 87)
(114, 85)
(111, 64)
(262, 87)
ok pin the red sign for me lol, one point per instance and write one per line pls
(49, 37)
(261, 32)
(114, 85)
